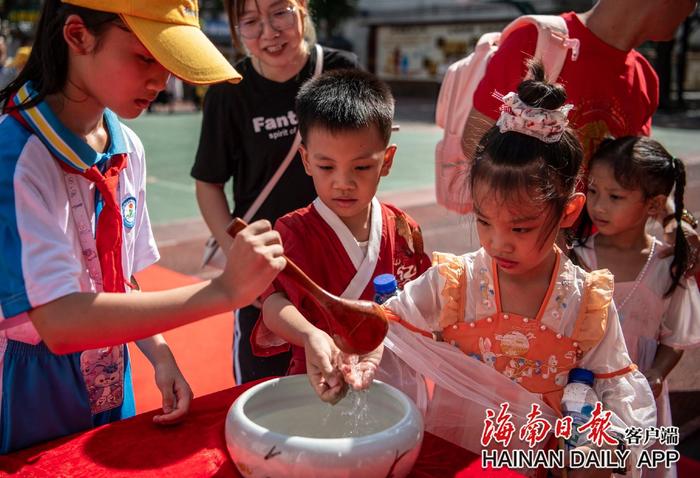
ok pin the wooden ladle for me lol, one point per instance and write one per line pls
(356, 326)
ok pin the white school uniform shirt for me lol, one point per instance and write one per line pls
(42, 258)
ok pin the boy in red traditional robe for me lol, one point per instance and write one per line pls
(346, 236)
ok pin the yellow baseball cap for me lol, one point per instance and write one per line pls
(170, 30)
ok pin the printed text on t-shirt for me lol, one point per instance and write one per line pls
(276, 126)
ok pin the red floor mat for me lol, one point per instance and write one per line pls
(202, 349)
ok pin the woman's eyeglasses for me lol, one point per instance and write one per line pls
(278, 20)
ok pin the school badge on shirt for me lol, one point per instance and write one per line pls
(129, 212)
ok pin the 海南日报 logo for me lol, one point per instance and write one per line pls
(129, 211)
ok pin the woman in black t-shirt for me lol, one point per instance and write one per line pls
(247, 131)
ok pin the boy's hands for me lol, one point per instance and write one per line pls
(321, 359)
(254, 260)
(358, 370)
(331, 371)
(176, 392)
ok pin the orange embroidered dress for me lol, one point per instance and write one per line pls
(576, 326)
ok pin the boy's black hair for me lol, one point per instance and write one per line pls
(511, 164)
(47, 66)
(642, 163)
(342, 100)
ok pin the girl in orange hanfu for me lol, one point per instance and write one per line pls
(517, 305)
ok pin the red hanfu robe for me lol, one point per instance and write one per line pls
(323, 251)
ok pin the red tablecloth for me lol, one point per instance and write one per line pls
(195, 448)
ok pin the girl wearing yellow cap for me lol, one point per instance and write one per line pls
(74, 227)
(249, 130)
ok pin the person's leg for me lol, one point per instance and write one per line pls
(246, 366)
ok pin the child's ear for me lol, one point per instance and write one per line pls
(656, 206)
(572, 209)
(305, 158)
(79, 39)
(388, 159)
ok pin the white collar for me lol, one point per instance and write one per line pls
(364, 264)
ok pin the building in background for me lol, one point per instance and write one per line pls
(411, 43)
(214, 22)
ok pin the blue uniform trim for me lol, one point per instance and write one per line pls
(13, 291)
(62, 143)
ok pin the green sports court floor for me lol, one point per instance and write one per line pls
(171, 142)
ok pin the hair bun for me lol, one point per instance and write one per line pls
(537, 92)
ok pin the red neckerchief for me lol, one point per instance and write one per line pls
(108, 236)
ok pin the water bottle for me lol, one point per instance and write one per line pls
(578, 402)
(385, 286)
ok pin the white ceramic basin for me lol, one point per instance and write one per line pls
(280, 428)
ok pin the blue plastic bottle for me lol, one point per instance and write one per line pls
(385, 286)
(578, 402)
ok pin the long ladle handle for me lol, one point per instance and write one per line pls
(238, 224)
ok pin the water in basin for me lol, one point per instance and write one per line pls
(356, 415)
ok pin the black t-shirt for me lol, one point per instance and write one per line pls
(247, 131)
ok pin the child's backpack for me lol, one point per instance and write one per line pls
(457, 92)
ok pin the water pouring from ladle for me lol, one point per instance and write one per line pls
(356, 326)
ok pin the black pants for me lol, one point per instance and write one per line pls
(246, 366)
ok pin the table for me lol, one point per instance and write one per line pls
(195, 448)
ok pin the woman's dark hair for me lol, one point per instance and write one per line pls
(511, 164)
(641, 163)
(47, 66)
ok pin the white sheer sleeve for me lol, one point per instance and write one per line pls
(621, 388)
(681, 326)
(419, 302)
